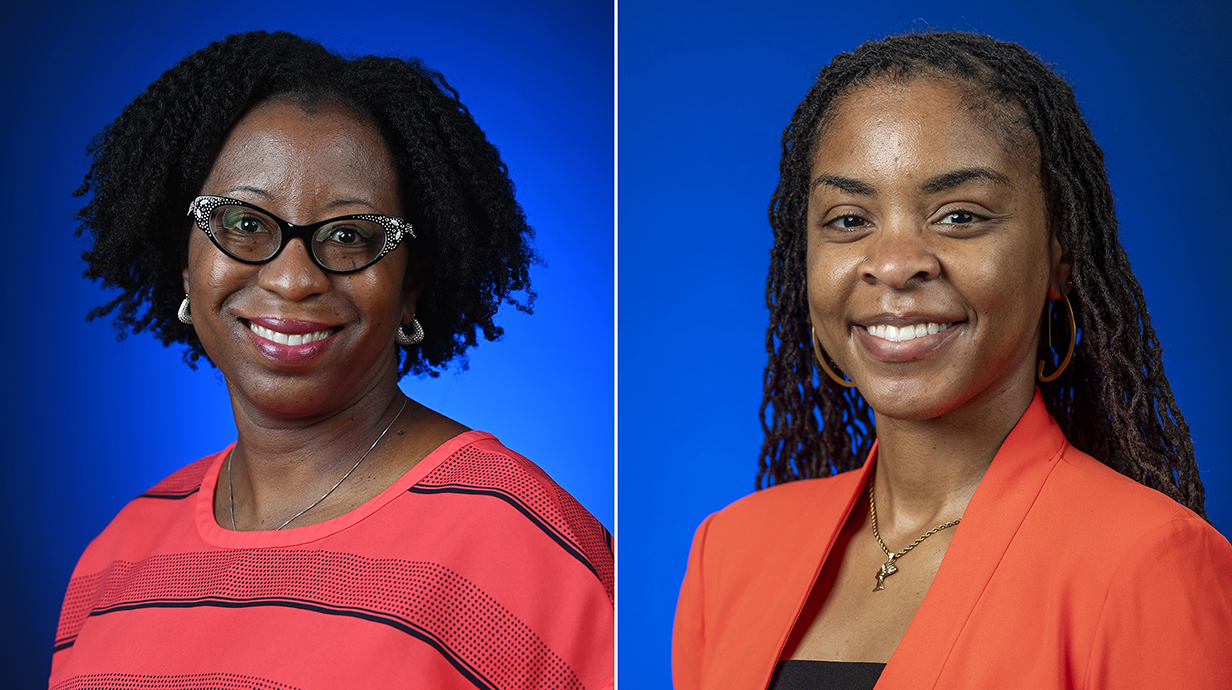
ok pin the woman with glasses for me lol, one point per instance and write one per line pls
(317, 227)
(977, 475)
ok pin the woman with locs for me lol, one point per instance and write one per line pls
(1026, 510)
(317, 227)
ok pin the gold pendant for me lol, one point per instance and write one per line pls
(887, 569)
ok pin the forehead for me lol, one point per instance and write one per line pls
(283, 148)
(890, 125)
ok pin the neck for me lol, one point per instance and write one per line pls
(927, 470)
(282, 462)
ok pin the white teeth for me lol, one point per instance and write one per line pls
(283, 338)
(898, 335)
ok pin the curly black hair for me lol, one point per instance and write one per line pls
(1112, 401)
(472, 239)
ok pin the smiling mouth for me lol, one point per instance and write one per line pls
(291, 339)
(895, 334)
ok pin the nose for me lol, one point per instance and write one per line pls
(292, 274)
(899, 257)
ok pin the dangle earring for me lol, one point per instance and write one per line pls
(821, 359)
(414, 337)
(184, 315)
(1073, 340)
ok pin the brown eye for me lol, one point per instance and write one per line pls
(959, 218)
(346, 233)
(848, 221)
(237, 220)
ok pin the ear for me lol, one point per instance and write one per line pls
(412, 285)
(1062, 267)
(184, 275)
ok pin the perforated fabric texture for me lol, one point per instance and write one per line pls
(205, 681)
(434, 603)
(520, 482)
(474, 570)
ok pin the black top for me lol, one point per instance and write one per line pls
(825, 675)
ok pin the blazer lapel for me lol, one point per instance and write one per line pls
(800, 566)
(997, 509)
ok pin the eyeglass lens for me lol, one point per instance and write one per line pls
(249, 235)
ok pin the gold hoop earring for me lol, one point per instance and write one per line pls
(1073, 340)
(821, 359)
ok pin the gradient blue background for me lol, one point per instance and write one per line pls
(89, 423)
(705, 90)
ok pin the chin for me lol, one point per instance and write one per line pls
(282, 395)
(909, 401)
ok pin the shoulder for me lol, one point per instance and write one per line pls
(183, 482)
(751, 515)
(1142, 527)
(1092, 514)
(748, 564)
(171, 492)
(167, 507)
(486, 468)
(483, 462)
(766, 531)
(1139, 545)
(1121, 509)
(1164, 579)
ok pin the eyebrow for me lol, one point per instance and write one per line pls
(954, 178)
(351, 202)
(934, 184)
(269, 197)
(843, 184)
(245, 188)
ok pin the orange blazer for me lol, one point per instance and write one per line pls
(1063, 574)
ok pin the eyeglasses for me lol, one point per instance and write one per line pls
(252, 235)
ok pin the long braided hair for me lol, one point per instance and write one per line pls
(1112, 401)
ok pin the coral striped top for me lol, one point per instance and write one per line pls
(473, 570)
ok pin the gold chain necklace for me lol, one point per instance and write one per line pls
(888, 568)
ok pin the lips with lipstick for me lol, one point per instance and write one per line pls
(290, 341)
(898, 335)
(291, 338)
(903, 341)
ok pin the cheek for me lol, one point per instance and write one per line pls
(1005, 285)
(199, 267)
(831, 281)
(209, 271)
(817, 276)
(379, 294)
(830, 273)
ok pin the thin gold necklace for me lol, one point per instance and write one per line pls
(888, 568)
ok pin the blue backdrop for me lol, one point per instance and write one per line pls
(705, 90)
(90, 422)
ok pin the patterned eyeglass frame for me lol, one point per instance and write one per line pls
(395, 230)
